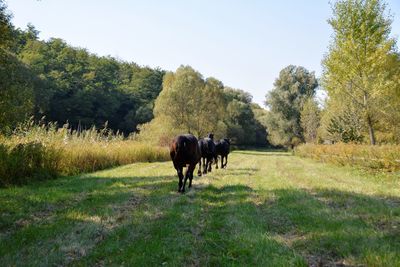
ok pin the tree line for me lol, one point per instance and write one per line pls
(52, 81)
(191, 103)
(361, 77)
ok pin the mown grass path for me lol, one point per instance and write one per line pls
(266, 209)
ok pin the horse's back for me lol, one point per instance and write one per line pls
(184, 149)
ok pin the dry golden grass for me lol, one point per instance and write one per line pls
(41, 152)
(385, 157)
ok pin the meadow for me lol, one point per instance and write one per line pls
(267, 208)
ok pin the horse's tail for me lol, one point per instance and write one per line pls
(180, 147)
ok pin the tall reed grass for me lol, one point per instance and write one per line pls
(382, 157)
(37, 152)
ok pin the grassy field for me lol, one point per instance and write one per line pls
(266, 209)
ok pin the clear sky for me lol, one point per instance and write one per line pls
(242, 43)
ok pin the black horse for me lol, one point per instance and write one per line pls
(222, 148)
(185, 152)
(207, 149)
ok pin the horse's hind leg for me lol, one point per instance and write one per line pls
(204, 166)
(190, 172)
(179, 170)
(186, 177)
(199, 170)
(209, 163)
(216, 162)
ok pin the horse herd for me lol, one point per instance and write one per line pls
(187, 151)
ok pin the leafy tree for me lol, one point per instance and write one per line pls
(361, 64)
(5, 26)
(310, 120)
(291, 90)
(16, 91)
(189, 102)
(87, 90)
(243, 126)
(341, 122)
(346, 128)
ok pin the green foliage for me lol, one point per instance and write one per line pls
(385, 157)
(189, 103)
(291, 90)
(310, 120)
(67, 84)
(361, 68)
(5, 26)
(16, 91)
(87, 90)
(244, 127)
(346, 128)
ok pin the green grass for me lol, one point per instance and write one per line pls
(266, 209)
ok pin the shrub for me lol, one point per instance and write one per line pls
(383, 157)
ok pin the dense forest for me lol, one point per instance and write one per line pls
(52, 81)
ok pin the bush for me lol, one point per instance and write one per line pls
(43, 152)
(384, 157)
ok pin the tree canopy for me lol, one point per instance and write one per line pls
(294, 86)
(64, 84)
(362, 67)
(190, 103)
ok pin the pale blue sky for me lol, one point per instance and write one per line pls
(242, 43)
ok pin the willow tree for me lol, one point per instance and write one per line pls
(358, 70)
(292, 88)
(189, 103)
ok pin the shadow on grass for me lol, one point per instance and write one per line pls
(24, 205)
(144, 221)
(328, 226)
(60, 222)
(229, 226)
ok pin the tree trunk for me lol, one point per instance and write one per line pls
(371, 131)
(369, 121)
